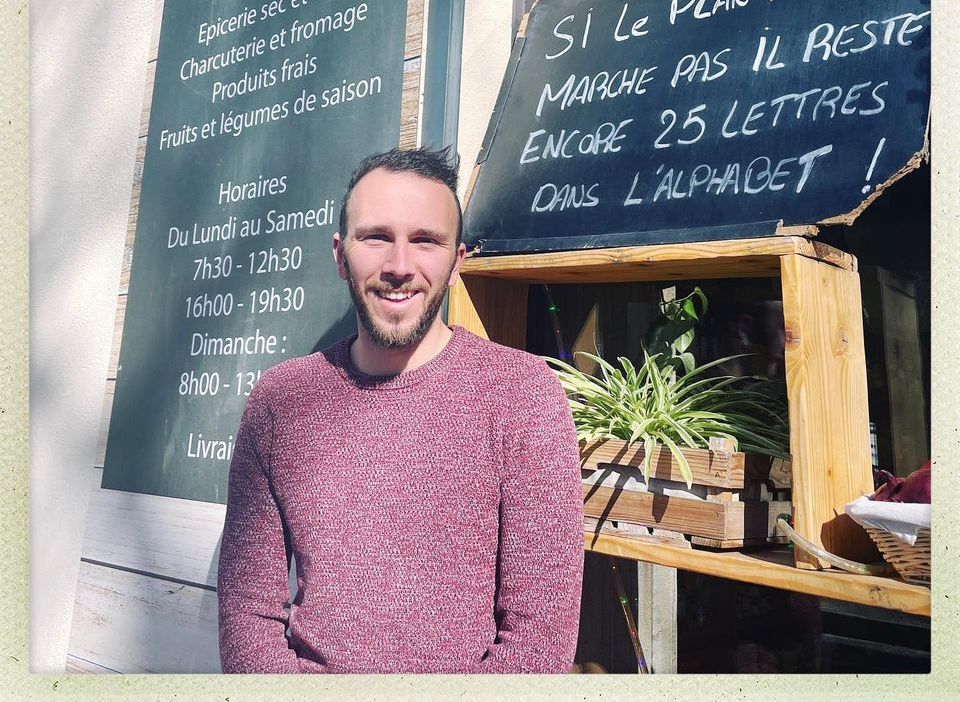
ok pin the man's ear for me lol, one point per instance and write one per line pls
(455, 272)
(338, 255)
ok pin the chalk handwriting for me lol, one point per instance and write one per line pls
(600, 86)
(826, 41)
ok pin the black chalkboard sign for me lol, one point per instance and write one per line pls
(641, 122)
(260, 111)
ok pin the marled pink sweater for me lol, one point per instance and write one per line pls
(435, 516)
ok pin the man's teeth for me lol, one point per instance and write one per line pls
(397, 295)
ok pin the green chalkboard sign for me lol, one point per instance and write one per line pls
(653, 121)
(259, 113)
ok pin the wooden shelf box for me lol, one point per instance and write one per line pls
(824, 351)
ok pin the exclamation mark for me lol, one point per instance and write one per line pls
(873, 164)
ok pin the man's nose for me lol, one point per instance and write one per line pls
(398, 263)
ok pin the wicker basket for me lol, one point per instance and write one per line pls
(912, 563)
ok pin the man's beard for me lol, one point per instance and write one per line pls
(393, 338)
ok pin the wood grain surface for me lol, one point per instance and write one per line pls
(771, 568)
(827, 397)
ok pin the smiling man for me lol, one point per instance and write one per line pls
(427, 481)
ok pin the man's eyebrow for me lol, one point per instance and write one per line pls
(375, 229)
(429, 232)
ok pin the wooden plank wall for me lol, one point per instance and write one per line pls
(895, 369)
(146, 594)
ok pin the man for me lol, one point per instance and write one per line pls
(425, 480)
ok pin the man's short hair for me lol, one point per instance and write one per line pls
(440, 166)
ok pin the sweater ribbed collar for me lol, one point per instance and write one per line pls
(437, 365)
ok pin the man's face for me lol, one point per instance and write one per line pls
(400, 254)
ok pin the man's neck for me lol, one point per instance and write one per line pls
(371, 359)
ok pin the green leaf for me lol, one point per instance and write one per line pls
(685, 470)
(649, 446)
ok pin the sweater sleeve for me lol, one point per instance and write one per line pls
(540, 567)
(252, 584)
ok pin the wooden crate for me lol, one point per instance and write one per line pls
(717, 467)
(734, 500)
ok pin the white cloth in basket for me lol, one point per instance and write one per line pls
(902, 519)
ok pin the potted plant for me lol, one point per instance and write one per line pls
(667, 400)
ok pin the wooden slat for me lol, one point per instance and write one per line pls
(132, 216)
(491, 309)
(779, 472)
(522, 29)
(739, 258)
(835, 257)
(413, 40)
(687, 516)
(592, 525)
(410, 100)
(772, 568)
(773, 510)
(721, 495)
(78, 665)
(410, 105)
(720, 469)
(732, 544)
(468, 191)
(117, 337)
(147, 98)
(135, 624)
(827, 396)
(105, 412)
(807, 230)
(163, 536)
(655, 535)
(657, 595)
(155, 37)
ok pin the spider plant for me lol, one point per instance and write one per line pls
(653, 403)
(672, 332)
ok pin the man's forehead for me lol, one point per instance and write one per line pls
(382, 178)
(401, 190)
